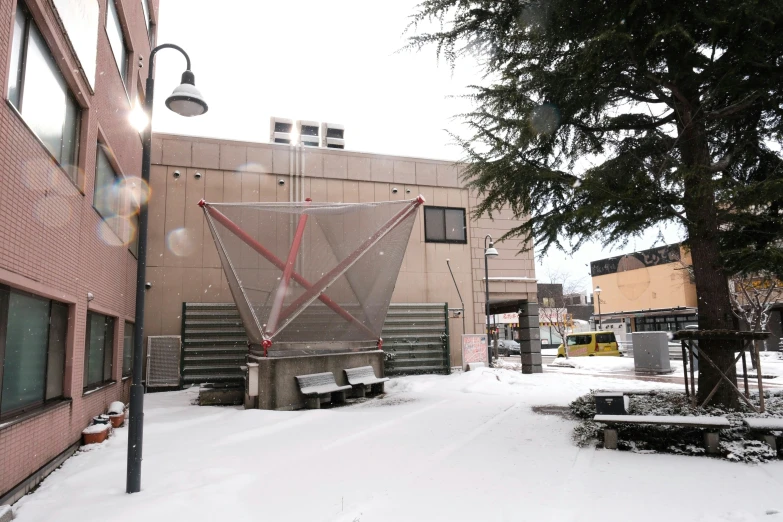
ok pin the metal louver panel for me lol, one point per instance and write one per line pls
(163, 356)
(416, 339)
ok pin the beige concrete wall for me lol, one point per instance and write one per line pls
(183, 262)
(661, 286)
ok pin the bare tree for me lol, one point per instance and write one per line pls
(752, 298)
(554, 299)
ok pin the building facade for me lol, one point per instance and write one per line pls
(651, 290)
(183, 264)
(71, 74)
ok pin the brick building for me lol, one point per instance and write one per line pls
(71, 74)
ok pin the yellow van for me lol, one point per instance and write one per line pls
(590, 344)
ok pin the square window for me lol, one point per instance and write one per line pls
(38, 91)
(444, 225)
(98, 350)
(33, 333)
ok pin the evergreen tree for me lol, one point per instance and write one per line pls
(601, 119)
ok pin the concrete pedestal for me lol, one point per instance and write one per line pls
(277, 387)
(530, 338)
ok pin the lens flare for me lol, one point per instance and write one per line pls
(43, 175)
(116, 231)
(180, 243)
(134, 192)
(544, 119)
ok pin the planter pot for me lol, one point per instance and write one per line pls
(117, 420)
(96, 433)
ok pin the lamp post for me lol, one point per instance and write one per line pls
(186, 100)
(490, 251)
(598, 297)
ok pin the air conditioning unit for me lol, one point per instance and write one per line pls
(308, 133)
(281, 130)
(332, 135)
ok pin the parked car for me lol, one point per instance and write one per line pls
(590, 344)
(508, 347)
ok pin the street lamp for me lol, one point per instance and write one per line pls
(186, 100)
(598, 297)
(490, 251)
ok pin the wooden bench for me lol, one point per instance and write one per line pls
(761, 428)
(362, 377)
(713, 424)
(319, 387)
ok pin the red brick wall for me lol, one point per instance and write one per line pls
(49, 244)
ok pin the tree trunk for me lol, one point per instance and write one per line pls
(714, 301)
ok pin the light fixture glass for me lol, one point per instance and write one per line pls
(491, 251)
(186, 100)
(597, 289)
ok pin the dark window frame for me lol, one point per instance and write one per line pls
(427, 239)
(70, 170)
(108, 339)
(5, 295)
(126, 70)
(128, 327)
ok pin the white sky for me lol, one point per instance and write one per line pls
(333, 61)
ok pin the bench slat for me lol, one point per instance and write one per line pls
(665, 420)
(763, 423)
(363, 375)
(319, 384)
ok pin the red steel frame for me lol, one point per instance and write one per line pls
(277, 305)
(346, 263)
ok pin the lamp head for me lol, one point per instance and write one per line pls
(186, 100)
(597, 289)
(491, 251)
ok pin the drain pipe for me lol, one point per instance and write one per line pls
(459, 294)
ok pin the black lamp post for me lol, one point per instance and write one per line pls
(186, 100)
(490, 251)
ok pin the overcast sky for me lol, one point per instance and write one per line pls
(334, 61)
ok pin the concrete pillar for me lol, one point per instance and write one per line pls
(530, 338)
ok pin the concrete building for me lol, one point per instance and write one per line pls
(651, 290)
(70, 77)
(184, 265)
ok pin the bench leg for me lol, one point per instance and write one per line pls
(338, 397)
(359, 391)
(377, 388)
(769, 440)
(313, 403)
(610, 438)
(711, 442)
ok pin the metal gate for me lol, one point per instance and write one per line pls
(416, 339)
(163, 354)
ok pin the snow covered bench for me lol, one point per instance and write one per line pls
(320, 386)
(762, 428)
(713, 424)
(362, 377)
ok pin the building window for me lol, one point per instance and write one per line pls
(117, 40)
(127, 350)
(33, 333)
(98, 351)
(38, 91)
(145, 5)
(106, 198)
(444, 225)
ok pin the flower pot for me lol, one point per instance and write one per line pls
(96, 433)
(117, 420)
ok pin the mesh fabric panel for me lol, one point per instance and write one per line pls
(342, 276)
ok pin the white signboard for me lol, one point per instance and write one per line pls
(474, 349)
(80, 20)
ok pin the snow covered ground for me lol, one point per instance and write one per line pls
(461, 447)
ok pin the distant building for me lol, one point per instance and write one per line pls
(643, 291)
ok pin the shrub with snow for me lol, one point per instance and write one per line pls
(736, 442)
